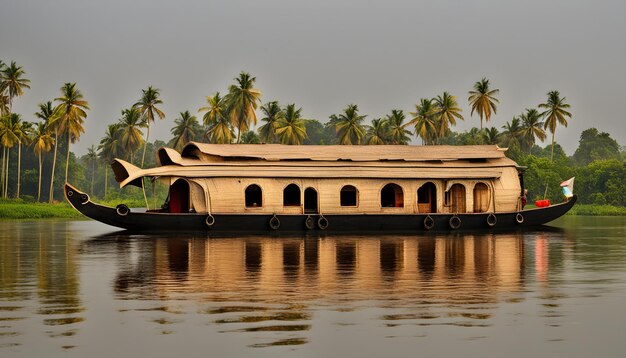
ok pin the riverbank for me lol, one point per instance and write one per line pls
(10, 209)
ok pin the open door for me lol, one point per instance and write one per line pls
(310, 201)
(427, 198)
(179, 197)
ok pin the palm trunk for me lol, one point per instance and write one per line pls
(552, 150)
(67, 158)
(54, 161)
(39, 182)
(145, 145)
(19, 167)
(6, 176)
(106, 181)
(93, 174)
(4, 154)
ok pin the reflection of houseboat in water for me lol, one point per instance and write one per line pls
(267, 187)
(464, 268)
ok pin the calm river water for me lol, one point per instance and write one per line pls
(79, 288)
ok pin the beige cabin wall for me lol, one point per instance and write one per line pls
(227, 195)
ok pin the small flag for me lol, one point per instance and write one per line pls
(568, 187)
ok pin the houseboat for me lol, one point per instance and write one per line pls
(256, 188)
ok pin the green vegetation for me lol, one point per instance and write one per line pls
(599, 163)
(597, 210)
(17, 209)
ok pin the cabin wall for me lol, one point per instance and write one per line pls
(227, 195)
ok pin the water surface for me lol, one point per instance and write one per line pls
(79, 288)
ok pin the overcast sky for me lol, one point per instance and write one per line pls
(323, 55)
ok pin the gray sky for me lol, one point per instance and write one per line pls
(323, 55)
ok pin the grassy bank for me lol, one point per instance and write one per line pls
(597, 210)
(20, 210)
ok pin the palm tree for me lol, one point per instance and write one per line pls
(555, 113)
(446, 113)
(532, 128)
(490, 135)
(23, 131)
(13, 82)
(185, 130)
(291, 129)
(69, 115)
(42, 143)
(511, 133)
(424, 121)
(398, 134)
(242, 100)
(377, 132)
(129, 132)
(348, 125)
(273, 115)
(92, 157)
(483, 100)
(147, 106)
(9, 136)
(109, 148)
(46, 113)
(219, 128)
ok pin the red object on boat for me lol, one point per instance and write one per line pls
(542, 203)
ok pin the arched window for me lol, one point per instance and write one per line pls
(254, 196)
(391, 196)
(455, 198)
(481, 198)
(291, 195)
(427, 198)
(348, 196)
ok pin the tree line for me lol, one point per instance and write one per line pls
(232, 118)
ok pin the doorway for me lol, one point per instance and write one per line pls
(310, 201)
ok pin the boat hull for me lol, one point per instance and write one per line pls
(260, 223)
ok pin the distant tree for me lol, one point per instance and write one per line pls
(377, 133)
(348, 125)
(242, 100)
(13, 82)
(594, 145)
(291, 129)
(272, 115)
(398, 134)
(219, 128)
(185, 130)
(483, 100)
(447, 111)
(531, 128)
(316, 132)
(491, 135)
(147, 106)
(250, 137)
(129, 131)
(92, 158)
(42, 143)
(109, 148)
(511, 133)
(555, 113)
(9, 133)
(424, 121)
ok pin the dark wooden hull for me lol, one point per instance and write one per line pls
(264, 223)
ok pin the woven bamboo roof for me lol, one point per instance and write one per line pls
(357, 153)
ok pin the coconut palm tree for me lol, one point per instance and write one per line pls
(69, 116)
(4, 104)
(273, 114)
(9, 136)
(147, 106)
(92, 158)
(531, 128)
(109, 148)
(483, 100)
(348, 125)
(424, 121)
(23, 131)
(398, 134)
(185, 130)
(291, 129)
(446, 112)
(129, 132)
(219, 128)
(242, 101)
(555, 113)
(490, 135)
(46, 113)
(13, 82)
(42, 143)
(511, 134)
(377, 133)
